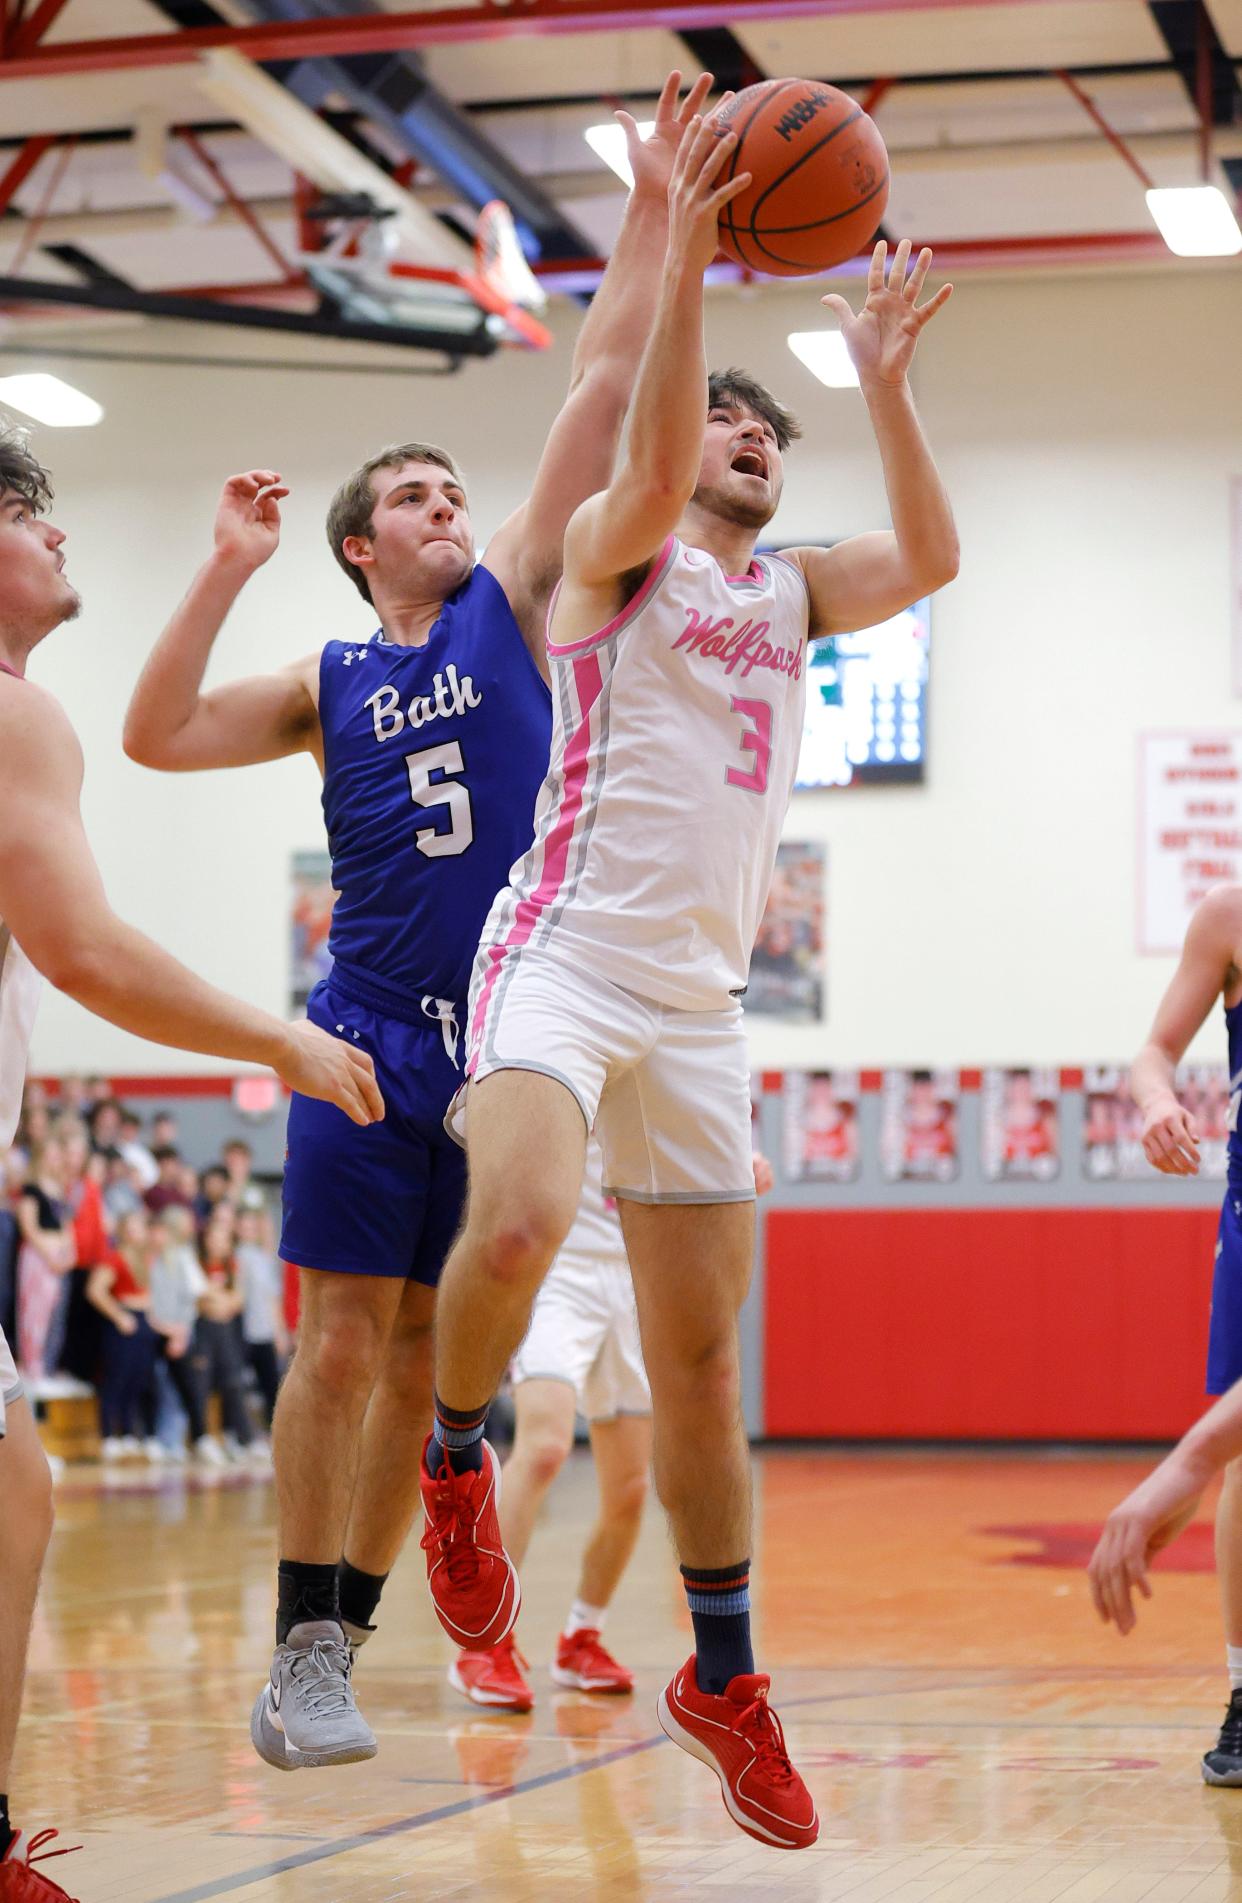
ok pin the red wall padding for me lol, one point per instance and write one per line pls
(1076, 1324)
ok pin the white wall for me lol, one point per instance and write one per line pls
(1086, 428)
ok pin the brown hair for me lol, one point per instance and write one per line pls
(737, 386)
(350, 510)
(20, 473)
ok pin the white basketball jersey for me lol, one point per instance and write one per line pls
(20, 984)
(675, 742)
(597, 1226)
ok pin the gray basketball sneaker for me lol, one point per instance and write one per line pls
(306, 1715)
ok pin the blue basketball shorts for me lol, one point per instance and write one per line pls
(386, 1199)
(1224, 1365)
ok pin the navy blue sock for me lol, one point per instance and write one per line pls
(359, 1594)
(457, 1436)
(719, 1601)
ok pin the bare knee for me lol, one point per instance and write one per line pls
(544, 1453)
(628, 1497)
(706, 1380)
(512, 1244)
(342, 1355)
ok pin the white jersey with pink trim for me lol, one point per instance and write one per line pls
(20, 985)
(675, 742)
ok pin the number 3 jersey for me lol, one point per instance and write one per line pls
(433, 758)
(675, 741)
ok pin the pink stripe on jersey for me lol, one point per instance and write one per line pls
(627, 613)
(589, 683)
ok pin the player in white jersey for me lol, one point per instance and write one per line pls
(606, 991)
(581, 1353)
(56, 921)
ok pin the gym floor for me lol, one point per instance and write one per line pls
(967, 1728)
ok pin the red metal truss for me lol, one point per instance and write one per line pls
(245, 212)
(1097, 119)
(31, 31)
(23, 165)
(441, 26)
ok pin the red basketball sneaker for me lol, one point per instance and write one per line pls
(583, 1664)
(473, 1584)
(495, 1679)
(740, 1737)
(20, 1882)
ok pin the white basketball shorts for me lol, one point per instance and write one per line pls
(11, 1388)
(584, 1331)
(667, 1092)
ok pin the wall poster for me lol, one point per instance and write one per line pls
(1190, 828)
(310, 916)
(820, 1126)
(918, 1126)
(787, 966)
(1021, 1125)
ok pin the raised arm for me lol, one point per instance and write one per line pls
(577, 460)
(170, 723)
(623, 528)
(1170, 1134)
(52, 900)
(869, 578)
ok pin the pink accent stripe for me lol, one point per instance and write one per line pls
(589, 682)
(631, 608)
(753, 573)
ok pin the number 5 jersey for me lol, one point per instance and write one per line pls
(676, 731)
(433, 758)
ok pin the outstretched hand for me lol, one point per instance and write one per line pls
(651, 159)
(695, 199)
(882, 336)
(248, 517)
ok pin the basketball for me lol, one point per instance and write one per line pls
(819, 177)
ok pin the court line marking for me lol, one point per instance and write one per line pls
(404, 1826)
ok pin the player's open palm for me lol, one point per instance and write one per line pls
(248, 517)
(696, 197)
(651, 159)
(1171, 1138)
(322, 1066)
(881, 337)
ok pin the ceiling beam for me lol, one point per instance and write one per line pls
(442, 26)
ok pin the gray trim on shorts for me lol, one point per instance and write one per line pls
(540, 1070)
(682, 1195)
(520, 1380)
(16, 1393)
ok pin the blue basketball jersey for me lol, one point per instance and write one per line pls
(433, 757)
(1233, 1025)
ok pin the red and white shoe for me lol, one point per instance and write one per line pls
(473, 1583)
(20, 1882)
(495, 1678)
(584, 1665)
(739, 1736)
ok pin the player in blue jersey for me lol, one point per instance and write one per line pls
(432, 739)
(1210, 969)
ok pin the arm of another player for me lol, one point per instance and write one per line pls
(624, 527)
(53, 901)
(869, 578)
(526, 553)
(170, 723)
(1170, 1135)
(1151, 1517)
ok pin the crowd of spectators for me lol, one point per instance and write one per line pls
(128, 1272)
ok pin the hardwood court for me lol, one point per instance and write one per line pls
(968, 1730)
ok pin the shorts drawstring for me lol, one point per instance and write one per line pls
(442, 1009)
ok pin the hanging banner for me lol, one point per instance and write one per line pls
(1190, 828)
(310, 917)
(1021, 1125)
(918, 1126)
(1112, 1129)
(820, 1126)
(1235, 577)
(787, 966)
(1204, 1090)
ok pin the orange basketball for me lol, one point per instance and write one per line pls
(819, 177)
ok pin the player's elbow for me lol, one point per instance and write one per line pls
(942, 565)
(143, 744)
(72, 961)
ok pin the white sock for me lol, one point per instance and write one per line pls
(583, 1618)
(1233, 1653)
